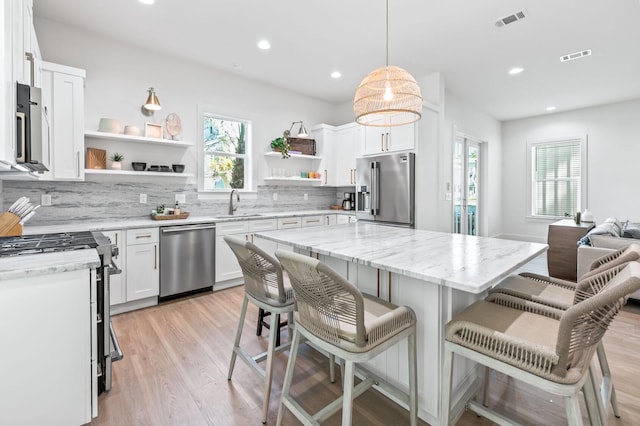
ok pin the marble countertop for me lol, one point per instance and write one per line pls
(109, 225)
(467, 263)
(29, 265)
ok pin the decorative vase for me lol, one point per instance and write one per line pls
(116, 165)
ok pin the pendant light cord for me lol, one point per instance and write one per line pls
(387, 33)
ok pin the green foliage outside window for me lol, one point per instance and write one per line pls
(225, 153)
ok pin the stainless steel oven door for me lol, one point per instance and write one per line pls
(112, 349)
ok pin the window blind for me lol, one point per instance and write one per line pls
(557, 178)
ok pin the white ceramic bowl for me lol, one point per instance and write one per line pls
(110, 125)
(132, 131)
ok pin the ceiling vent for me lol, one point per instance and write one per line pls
(575, 55)
(512, 18)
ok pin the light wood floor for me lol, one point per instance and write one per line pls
(174, 372)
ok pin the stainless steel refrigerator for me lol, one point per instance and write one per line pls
(385, 189)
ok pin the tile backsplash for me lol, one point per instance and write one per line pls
(97, 200)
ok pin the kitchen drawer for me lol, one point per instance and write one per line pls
(313, 221)
(263, 225)
(230, 228)
(289, 222)
(142, 236)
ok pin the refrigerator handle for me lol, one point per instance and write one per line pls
(375, 188)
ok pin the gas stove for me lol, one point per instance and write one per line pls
(47, 243)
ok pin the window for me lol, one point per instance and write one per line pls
(226, 162)
(557, 177)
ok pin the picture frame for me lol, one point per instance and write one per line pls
(153, 130)
(96, 158)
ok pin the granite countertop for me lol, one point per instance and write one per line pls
(468, 263)
(108, 225)
(30, 265)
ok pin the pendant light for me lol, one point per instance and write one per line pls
(388, 96)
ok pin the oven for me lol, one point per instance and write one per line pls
(107, 349)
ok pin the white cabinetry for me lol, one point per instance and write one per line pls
(117, 283)
(18, 38)
(345, 218)
(142, 269)
(63, 91)
(378, 140)
(340, 146)
(46, 324)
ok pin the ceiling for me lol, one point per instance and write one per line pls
(312, 38)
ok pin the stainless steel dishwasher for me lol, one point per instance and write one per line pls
(187, 258)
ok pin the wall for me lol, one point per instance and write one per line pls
(613, 150)
(118, 76)
(475, 123)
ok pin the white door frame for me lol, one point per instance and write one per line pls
(468, 140)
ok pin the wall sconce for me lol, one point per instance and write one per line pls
(302, 132)
(152, 104)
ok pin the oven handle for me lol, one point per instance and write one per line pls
(116, 355)
(113, 269)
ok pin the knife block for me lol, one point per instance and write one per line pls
(10, 225)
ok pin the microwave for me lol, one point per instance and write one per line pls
(32, 129)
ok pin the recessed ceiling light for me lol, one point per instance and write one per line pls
(147, 1)
(516, 70)
(264, 45)
(236, 66)
(551, 108)
(336, 74)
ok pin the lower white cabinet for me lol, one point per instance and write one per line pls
(118, 289)
(345, 218)
(142, 268)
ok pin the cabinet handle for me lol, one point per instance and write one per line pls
(381, 141)
(78, 164)
(155, 256)
(22, 138)
(143, 236)
(290, 223)
(29, 56)
(387, 141)
(116, 238)
(314, 221)
(325, 176)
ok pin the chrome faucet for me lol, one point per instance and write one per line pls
(231, 208)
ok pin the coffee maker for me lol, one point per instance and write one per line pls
(349, 202)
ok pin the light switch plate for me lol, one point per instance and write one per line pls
(143, 198)
(181, 198)
(275, 196)
(45, 199)
(447, 196)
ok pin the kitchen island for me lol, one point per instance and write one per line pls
(437, 274)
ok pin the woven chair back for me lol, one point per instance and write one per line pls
(262, 273)
(630, 253)
(583, 324)
(328, 305)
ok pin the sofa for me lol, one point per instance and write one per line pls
(604, 239)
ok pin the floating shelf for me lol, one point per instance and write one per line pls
(292, 179)
(294, 156)
(133, 172)
(136, 139)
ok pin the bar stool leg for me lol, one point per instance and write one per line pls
(606, 379)
(274, 334)
(413, 380)
(236, 344)
(288, 377)
(347, 394)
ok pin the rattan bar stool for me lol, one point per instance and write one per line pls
(335, 317)
(265, 287)
(561, 294)
(553, 355)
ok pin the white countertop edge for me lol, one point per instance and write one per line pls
(114, 224)
(13, 267)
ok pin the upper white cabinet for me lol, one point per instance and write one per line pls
(378, 140)
(63, 91)
(340, 147)
(19, 63)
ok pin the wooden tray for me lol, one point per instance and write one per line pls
(170, 216)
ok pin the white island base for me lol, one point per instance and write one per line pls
(436, 274)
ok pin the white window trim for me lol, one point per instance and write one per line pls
(583, 173)
(250, 184)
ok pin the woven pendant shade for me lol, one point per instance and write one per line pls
(404, 99)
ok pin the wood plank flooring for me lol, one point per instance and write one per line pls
(174, 372)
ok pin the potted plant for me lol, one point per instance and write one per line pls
(282, 145)
(116, 161)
